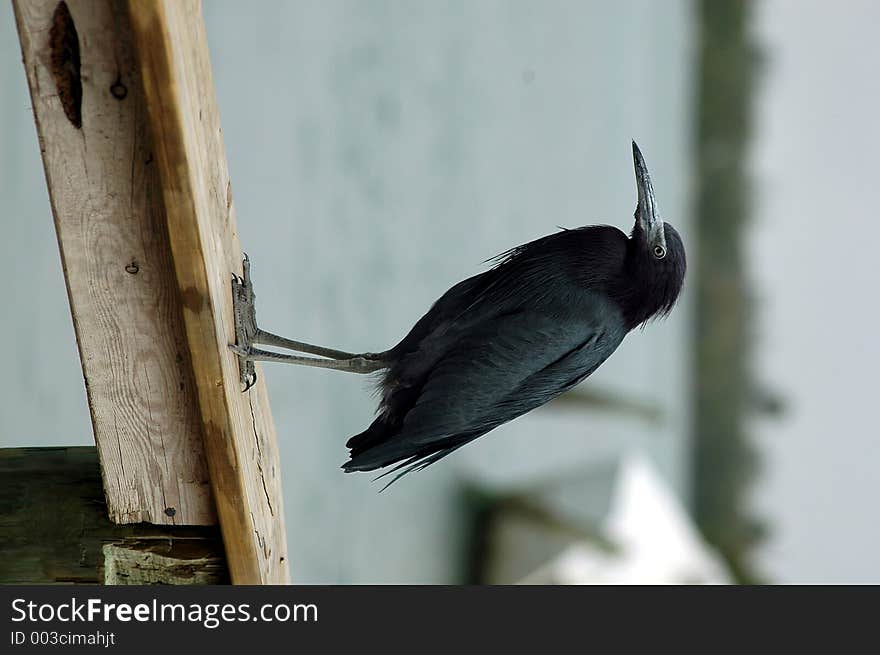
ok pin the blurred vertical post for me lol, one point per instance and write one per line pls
(725, 460)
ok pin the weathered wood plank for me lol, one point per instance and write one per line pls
(152, 561)
(54, 529)
(240, 443)
(104, 188)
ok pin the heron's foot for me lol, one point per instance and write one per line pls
(245, 316)
(248, 334)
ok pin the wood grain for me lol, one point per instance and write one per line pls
(112, 233)
(239, 435)
(54, 529)
(154, 561)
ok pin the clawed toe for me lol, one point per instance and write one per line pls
(245, 323)
(241, 351)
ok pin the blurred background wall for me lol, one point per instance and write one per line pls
(380, 151)
(813, 257)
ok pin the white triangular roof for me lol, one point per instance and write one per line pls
(656, 541)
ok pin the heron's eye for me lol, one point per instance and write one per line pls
(659, 252)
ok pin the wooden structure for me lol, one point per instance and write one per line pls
(56, 529)
(130, 137)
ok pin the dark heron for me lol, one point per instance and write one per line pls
(501, 343)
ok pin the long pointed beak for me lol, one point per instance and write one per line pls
(648, 215)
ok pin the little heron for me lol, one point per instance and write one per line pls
(501, 343)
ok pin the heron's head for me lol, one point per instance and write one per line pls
(657, 257)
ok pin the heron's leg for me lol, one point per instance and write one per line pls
(354, 364)
(269, 339)
(247, 333)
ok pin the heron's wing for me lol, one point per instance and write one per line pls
(496, 372)
(504, 370)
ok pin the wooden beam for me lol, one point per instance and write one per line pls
(55, 530)
(104, 189)
(161, 561)
(130, 135)
(239, 435)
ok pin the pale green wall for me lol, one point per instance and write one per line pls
(379, 152)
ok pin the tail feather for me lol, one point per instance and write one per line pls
(409, 464)
(386, 442)
(373, 435)
(369, 450)
(378, 454)
(378, 447)
(416, 464)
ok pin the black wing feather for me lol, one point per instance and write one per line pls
(487, 378)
